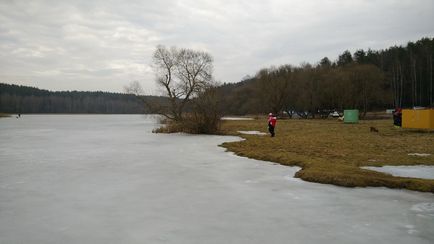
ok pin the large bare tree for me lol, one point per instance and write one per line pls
(182, 74)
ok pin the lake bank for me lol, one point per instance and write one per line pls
(332, 152)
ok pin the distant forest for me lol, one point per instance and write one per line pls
(23, 99)
(399, 76)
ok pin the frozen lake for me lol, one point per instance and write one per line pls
(108, 179)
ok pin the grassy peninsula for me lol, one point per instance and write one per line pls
(331, 152)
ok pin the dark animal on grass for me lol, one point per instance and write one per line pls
(373, 129)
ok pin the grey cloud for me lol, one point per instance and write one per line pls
(103, 45)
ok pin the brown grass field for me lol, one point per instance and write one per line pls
(331, 152)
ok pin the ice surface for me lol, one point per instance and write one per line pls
(108, 179)
(416, 171)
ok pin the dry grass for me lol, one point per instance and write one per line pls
(4, 115)
(332, 152)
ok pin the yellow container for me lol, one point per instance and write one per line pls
(418, 118)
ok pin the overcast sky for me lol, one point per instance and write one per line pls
(104, 45)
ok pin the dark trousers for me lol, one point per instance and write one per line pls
(271, 130)
(397, 119)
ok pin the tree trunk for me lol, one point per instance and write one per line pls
(289, 113)
(431, 85)
(401, 85)
(413, 80)
(395, 86)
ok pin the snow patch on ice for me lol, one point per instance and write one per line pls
(424, 210)
(411, 229)
(424, 207)
(294, 196)
(250, 181)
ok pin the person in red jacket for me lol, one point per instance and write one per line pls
(271, 123)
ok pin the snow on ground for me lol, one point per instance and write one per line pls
(252, 132)
(236, 118)
(108, 179)
(419, 154)
(415, 171)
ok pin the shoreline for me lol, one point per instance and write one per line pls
(335, 164)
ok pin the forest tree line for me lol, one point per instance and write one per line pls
(397, 77)
(23, 99)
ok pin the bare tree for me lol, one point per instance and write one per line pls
(397, 84)
(273, 88)
(206, 112)
(431, 101)
(183, 74)
(367, 81)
